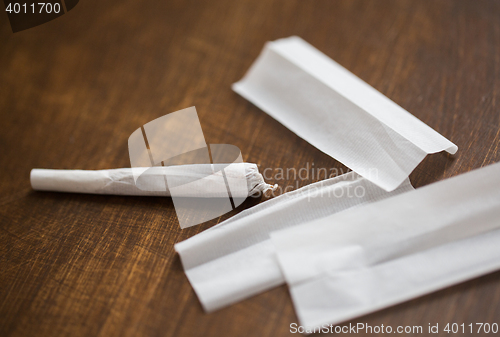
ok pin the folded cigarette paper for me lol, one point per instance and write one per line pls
(236, 259)
(364, 259)
(189, 181)
(338, 113)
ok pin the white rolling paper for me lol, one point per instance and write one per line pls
(358, 261)
(335, 298)
(191, 181)
(338, 113)
(236, 259)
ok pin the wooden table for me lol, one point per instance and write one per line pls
(74, 89)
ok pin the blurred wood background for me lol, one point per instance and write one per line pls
(74, 89)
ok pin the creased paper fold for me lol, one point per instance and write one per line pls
(338, 113)
(334, 299)
(236, 259)
(361, 260)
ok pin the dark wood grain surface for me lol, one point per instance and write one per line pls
(74, 89)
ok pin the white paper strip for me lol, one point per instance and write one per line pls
(346, 295)
(338, 113)
(355, 262)
(235, 259)
(190, 180)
